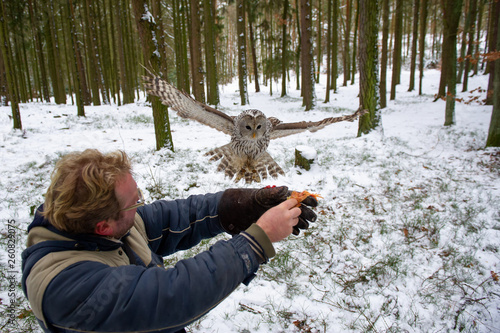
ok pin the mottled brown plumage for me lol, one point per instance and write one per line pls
(245, 156)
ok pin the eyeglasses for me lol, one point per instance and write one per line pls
(140, 202)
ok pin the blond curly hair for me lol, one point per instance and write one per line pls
(82, 190)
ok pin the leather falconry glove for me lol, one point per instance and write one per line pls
(239, 208)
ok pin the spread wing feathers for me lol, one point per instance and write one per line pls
(250, 170)
(281, 129)
(186, 106)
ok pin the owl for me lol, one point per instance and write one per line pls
(245, 156)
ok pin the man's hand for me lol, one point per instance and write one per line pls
(279, 221)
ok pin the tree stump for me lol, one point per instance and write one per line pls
(304, 157)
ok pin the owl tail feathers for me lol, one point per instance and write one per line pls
(253, 171)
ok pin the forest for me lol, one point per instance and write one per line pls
(408, 231)
(93, 52)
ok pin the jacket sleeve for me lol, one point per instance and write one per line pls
(91, 296)
(180, 224)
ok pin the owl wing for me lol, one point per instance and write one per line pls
(186, 106)
(281, 129)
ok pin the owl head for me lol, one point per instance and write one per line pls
(252, 125)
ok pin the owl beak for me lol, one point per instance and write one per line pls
(253, 135)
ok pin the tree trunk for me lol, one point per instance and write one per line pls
(329, 51)
(182, 71)
(307, 55)
(160, 35)
(299, 45)
(251, 22)
(347, 36)
(210, 52)
(492, 37)
(478, 36)
(421, 43)
(77, 61)
(472, 23)
(452, 10)
(463, 46)
(152, 62)
(198, 82)
(335, 46)
(368, 58)
(53, 56)
(40, 57)
(383, 59)
(8, 63)
(398, 37)
(242, 51)
(126, 88)
(112, 60)
(284, 47)
(319, 38)
(494, 131)
(354, 46)
(92, 52)
(416, 8)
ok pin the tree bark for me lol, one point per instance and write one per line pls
(7, 60)
(383, 58)
(198, 82)
(284, 47)
(421, 43)
(347, 36)
(354, 45)
(299, 45)
(471, 31)
(145, 27)
(494, 130)
(251, 22)
(307, 55)
(329, 51)
(77, 61)
(210, 52)
(416, 9)
(396, 60)
(335, 46)
(92, 51)
(53, 56)
(492, 37)
(368, 58)
(452, 10)
(242, 52)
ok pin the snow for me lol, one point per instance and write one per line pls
(307, 152)
(408, 230)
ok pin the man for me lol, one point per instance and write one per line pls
(94, 258)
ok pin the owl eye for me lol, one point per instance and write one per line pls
(248, 127)
(258, 127)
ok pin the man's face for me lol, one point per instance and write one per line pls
(127, 195)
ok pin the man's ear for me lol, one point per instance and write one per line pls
(103, 228)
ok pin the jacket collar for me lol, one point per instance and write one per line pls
(87, 242)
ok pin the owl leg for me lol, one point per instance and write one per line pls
(240, 175)
(262, 170)
(266, 161)
(250, 175)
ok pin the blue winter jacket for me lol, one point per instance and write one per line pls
(89, 283)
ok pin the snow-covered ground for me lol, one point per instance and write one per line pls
(408, 235)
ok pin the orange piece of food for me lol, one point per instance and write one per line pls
(301, 196)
